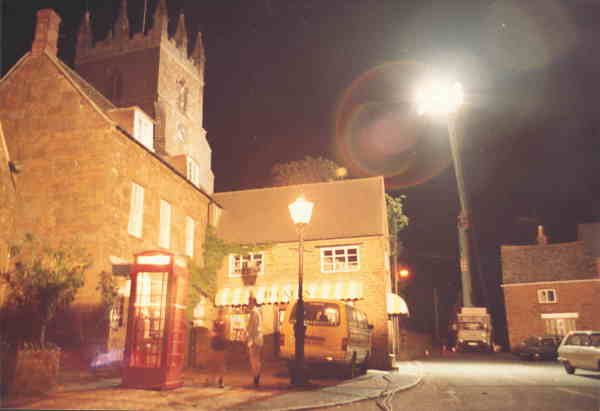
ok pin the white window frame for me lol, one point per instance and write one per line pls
(164, 238)
(190, 232)
(236, 261)
(136, 211)
(193, 171)
(329, 265)
(544, 296)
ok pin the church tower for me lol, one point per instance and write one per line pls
(156, 73)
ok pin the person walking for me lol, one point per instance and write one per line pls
(254, 339)
(218, 343)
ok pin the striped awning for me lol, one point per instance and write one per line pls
(396, 304)
(284, 293)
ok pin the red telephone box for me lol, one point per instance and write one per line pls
(156, 326)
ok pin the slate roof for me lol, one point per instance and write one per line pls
(343, 209)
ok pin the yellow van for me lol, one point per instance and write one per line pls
(336, 333)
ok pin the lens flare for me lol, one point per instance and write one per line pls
(379, 132)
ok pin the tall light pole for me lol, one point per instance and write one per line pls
(446, 99)
(301, 211)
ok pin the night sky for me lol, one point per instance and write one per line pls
(336, 78)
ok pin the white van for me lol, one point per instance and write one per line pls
(336, 333)
(580, 349)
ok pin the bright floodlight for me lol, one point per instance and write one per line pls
(439, 98)
(301, 210)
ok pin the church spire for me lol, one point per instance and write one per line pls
(121, 28)
(181, 33)
(161, 19)
(198, 53)
(84, 35)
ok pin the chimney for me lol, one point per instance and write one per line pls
(46, 32)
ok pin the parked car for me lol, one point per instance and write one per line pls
(336, 333)
(538, 347)
(580, 349)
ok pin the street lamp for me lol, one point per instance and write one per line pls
(301, 211)
(445, 99)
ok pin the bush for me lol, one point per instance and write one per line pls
(31, 369)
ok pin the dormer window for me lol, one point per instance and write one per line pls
(193, 172)
(143, 129)
(182, 95)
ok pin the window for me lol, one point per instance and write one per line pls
(237, 324)
(182, 96)
(143, 130)
(136, 212)
(164, 239)
(181, 132)
(190, 230)
(321, 314)
(237, 263)
(193, 171)
(547, 296)
(335, 259)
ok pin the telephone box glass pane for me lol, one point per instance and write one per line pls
(149, 325)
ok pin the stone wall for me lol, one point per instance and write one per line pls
(7, 205)
(77, 170)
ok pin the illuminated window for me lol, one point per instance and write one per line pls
(164, 239)
(339, 259)
(546, 296)
(190, 230)
(237, 327)
(239, 263)
(136, 212)
(193, 171)
(143, 130)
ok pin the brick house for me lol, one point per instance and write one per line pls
(552, 288)
(120, 175)
(346, 254)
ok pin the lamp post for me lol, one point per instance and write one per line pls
(446, 99)
(301, 211)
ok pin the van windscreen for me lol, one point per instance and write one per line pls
(319, 313)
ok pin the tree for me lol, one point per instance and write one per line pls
(44, 278)
(397, 222)
(309, 170)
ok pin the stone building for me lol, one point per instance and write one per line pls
(346, 255)
(552, 288)
(113, 156)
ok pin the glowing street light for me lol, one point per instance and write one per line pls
(445, 99)
(301, 212)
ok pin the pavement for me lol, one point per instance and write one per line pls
(83, 389)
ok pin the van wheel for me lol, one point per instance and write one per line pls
(568, 367)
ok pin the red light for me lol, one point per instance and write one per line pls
(404, 273)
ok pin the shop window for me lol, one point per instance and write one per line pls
(237, 324)
(340, 259)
